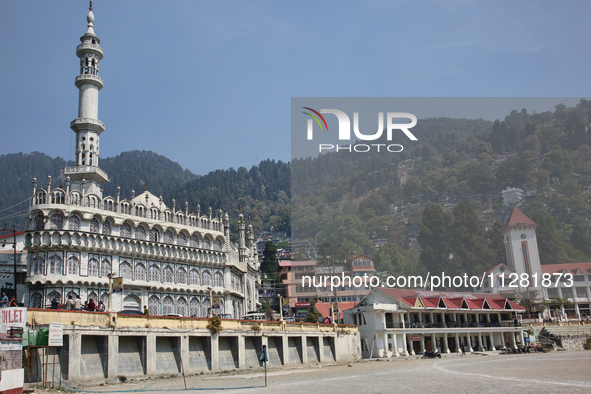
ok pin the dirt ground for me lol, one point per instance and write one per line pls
(530, 373)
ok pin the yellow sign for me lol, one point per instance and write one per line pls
(117, 285)
(217, 302)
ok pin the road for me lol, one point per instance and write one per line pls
(540, 373)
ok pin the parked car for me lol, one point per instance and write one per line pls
(173, 315)
(130, 312)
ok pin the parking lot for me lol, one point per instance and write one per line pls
(524, 373)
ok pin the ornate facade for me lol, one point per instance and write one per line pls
(169, 258)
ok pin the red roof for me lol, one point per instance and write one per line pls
(452, 300)
(289, 263)
(518, 218)
(324, 307)
(570, 268)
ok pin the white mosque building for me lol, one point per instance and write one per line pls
(170, 260)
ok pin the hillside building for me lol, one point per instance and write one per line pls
(170, 259)
(570, 281)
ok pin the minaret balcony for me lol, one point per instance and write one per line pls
(92, 48)
(80, 124)
(90, 173)
(89, 79)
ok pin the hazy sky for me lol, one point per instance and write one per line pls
(209, 84)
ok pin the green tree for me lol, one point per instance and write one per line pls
(270, 263)
(580, 239)
(313, 314)
(434, 240)
(471, 252)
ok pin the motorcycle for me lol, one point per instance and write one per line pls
(434, 354)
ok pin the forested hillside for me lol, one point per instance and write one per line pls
(263, 191)
(411, 201)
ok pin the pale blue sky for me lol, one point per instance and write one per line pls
(209, 83)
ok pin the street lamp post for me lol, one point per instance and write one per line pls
(280, 307)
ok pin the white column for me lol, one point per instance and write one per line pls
(431, 317)
(457, 342)
(513, 341)
(470, 343)
(423, 344)
(522, 340)
(404, 344)
(445, 346)
(385, 344)
(503, 339)
(492, 341)
(479, 341)
(395, 346)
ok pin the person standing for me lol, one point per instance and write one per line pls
(4, 301)
(78, 303)
(91, 305)
(70, 305)
(13, 302)
(146, 311)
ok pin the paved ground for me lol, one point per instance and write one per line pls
(533, 373)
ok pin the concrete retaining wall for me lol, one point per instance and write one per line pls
(97, 352)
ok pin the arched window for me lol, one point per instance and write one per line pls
(194, 241)
(39, 223)
(93, 266)
(206, 278)
(55, 265)
(140, 233)
(105, 267)
(37, 300)
(154, 305)
(167, 306)
(93, 296)
(194, 277)
(205, 308)
(194, 307)
(107, 228)
(105, 300)
(74, 223)
(217, 245)
(154, 273)
(125, 230)
(205, 243)
(182, 307)
(140, 271)
(73, 265)
(218, 279)
(125, 270)
(168, 237)
(94, 226)
(38, 265)
(181, 239)
(154, 235)
(168, 275)
(54, 295)
(181, 275)
(57, 221)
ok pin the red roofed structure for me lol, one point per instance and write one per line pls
(395, 322)
(517, 219)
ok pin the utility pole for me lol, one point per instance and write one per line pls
(13, 230)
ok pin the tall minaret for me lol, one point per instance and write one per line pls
(87, 126)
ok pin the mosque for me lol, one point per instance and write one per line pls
(174, 261)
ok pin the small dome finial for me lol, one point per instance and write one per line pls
(90, 20)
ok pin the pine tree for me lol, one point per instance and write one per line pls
(270, 263)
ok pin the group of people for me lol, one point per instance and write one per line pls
(5, 303)
(75, 304)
